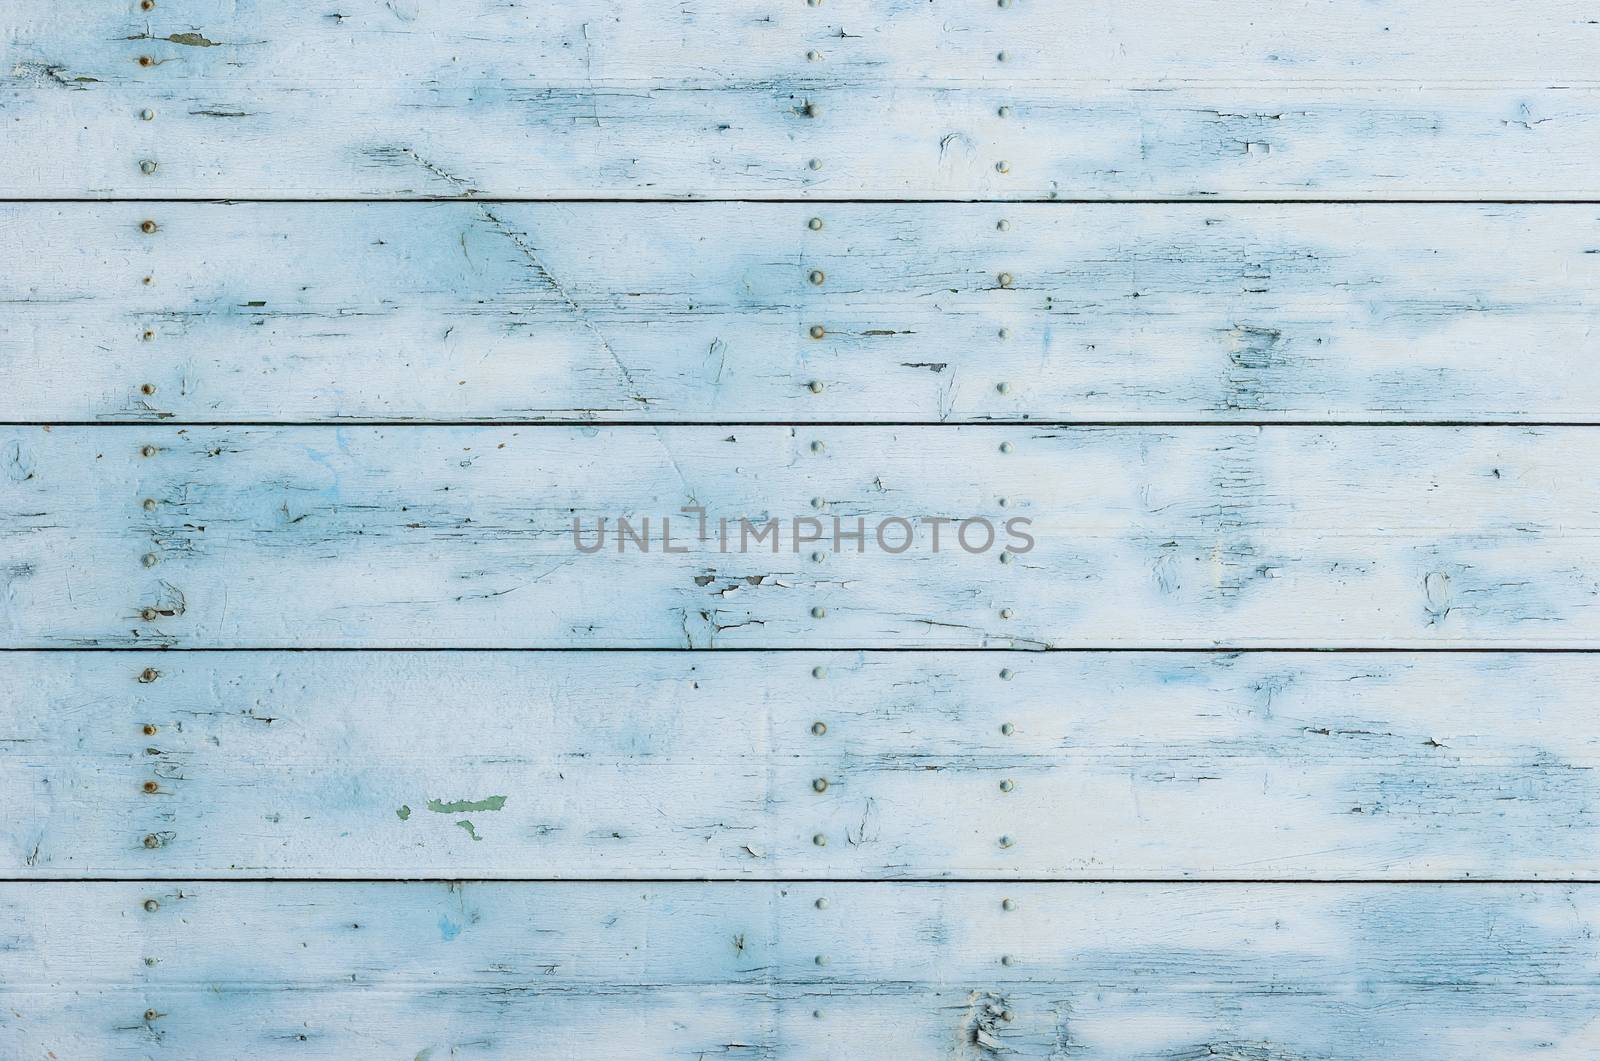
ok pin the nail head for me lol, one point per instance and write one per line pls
(815, 163)
(818, 613)
(817, 276)
(1002, 166)
(1006, 447)
(148, 675)
(147, 114)
(151, 906)
(147, 166)
(152, 840)
(1007, 729)
(150, 559)
(818, 331)
(819, 672)
(1008, 904)
(820, 840)
(147, 226)
(1006, 785)
(815, 224)
(820, 784)
(151, 786)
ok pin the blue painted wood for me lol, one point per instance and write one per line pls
(842, 99)
(655, 312)
(277, 764)
(646, 970)
(687, 765)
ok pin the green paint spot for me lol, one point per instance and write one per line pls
(404, 812)
(462, 806)
(470, 830)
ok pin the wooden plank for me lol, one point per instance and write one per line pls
(702, 42)
(680, 765)
(658, 970)
(902, 100)
(701, 312)
(463, 537)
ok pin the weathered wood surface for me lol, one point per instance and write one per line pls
(662, 765)
(891, 100)
(463, 537)
(644, 970)
(702, 312)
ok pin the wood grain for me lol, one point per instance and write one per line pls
(901, 100)
(702, 312)
(672, 765)
(660, 970)
(463, 537)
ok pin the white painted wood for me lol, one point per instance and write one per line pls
(655, 312)
(674, 765)
(696, 970)
(705, 43)
(1105, 100)
(462, 537)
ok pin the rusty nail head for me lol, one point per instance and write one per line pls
(148, 5)
(148, 451)
(151, 786)
(152, 840)
(149, 730)
(149, 504)
(147, 281)
(148, 615)
(151, 1014)
(145, 60)
(147, 226)
(819, 728)
(818, 331)
(148, 675)
(147, 388)
(820, 784)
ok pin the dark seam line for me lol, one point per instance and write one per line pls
(870, 881)
(836, 649)
(808, 201)
(818, 424)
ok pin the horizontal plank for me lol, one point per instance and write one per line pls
(702, 312)
(402, 139)
(463, 537)
(696, 765)
(691, 970)
(889, 100)
(706, 43)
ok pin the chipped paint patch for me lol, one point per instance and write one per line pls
(463, 806)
